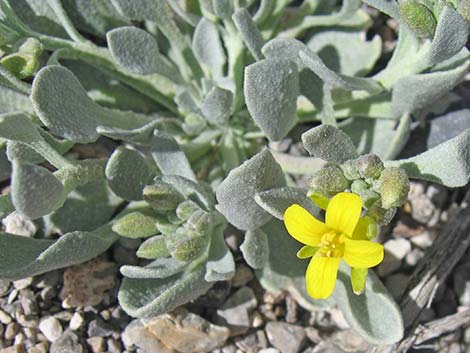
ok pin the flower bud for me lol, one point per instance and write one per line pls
(328, 181)
(394, 187)
(369, 166)
(200, 223)
(185, 209)
(367, 195)
(350, 170)
(162, 197)
(24, 63)
(185, 245)
(381, 215)
(419, 18)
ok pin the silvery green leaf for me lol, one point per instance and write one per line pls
(335, 80)
(447, 163)
(13, 101)
(25, 257)
(6, 206)
(127, 173)
(271, 89)
(249, 32)
(35, 191)
(141, 134)
(63, 105)
(140, 10)
(169, 157)
(186, 101)
(137, 51)
(217, 106)
(235, 194)
(152, 297)
(223, 8)
(346, 52)
(329, 143)
(220, 265)
(450, 37)
(197, 192)
(390, 8)
(18, 127)
(5, 167)
(136, 225)
(153, 248)
(374, 314)
(414, 92)
(207, 46)
(283, 270)
(160, 268)
(255, 248)
(276, 201)
(86, 208)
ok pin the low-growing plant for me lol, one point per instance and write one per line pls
(190, 91)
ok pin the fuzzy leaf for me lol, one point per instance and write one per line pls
(13, 101)
(255, 248)
(276, 201)
(152, 297)
(63, 105)
(160, 268)
(133, 10)
(207, 46)
(447, 163)
(25, 257)
(236, 193)
(5, 166)
(217, 106)
(18, 127)
(450, 37)
(329, 143)
(153, 248)
(249, 32)
(135, 225)
(414, 92)
(220, 265)
(35, 191)
(271, 90)
(137, 51)
(128, 173)
(169, 157)
(374, 314)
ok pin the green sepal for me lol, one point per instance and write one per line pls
(186, 245)
(162, 197)
(358, 280)
(394, 187)
(136, 225)
(306, 252)
(185, 209)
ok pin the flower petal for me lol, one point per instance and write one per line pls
(306, 251)
(343, 212)
(363, 253)
(321, 276)
(302, 226)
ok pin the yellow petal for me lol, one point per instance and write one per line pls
(343, 212)
(306, 251)
(302, 226)
(321, 276)
(363, 253)
(366, 229)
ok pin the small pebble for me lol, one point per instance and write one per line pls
(76, 321)
(97, 344)
(4, 317)
(23, 283)
(99, 328)
(39, 348)
(51, 328)
(67, 343)
(242, 276)
(11, 330)
(114, 346)
(13, 349)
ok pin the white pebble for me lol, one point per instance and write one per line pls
(51, 328)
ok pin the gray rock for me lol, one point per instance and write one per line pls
(395, 251)
(242, 276)
(235, 313)
(39, 348)
(186, 332)
(114, 346)
(19, 348)
(285, 337)
(17, 223)
(4, 317)
(67, 343)
(424, 240)
(4, 287)
(396, 284)
(413, 257)
(51, 328)
(422, 208)
(28, 302)
(100, 328)
(269, 350)
(326, 347)
(247, 343)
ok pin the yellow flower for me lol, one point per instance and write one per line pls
(343, 235)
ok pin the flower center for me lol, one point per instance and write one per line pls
(331, 245)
